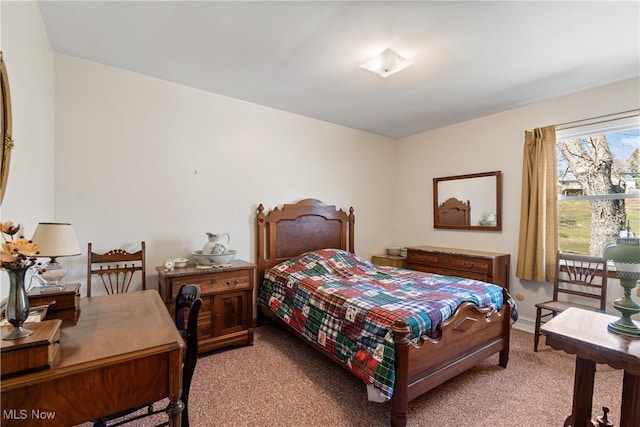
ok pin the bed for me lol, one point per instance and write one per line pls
(309, 238)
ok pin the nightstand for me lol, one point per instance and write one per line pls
(226, 315)
(390, 260)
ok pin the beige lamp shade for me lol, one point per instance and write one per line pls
(56, 239)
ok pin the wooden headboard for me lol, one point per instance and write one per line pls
(298, 228)
(454, 212)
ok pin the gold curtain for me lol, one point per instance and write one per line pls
(538, 242)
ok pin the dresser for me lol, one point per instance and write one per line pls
(226, 315)
(491, 267)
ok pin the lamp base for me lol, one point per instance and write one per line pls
(627, 307)
(52, 287)
(51, 276)
(621, 328)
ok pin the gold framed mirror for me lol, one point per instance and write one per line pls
(468, 202)
(5, 116)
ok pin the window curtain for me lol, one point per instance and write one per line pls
(538, 242)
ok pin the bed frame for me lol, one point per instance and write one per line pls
(467, 338)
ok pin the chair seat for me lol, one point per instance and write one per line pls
(560, 306)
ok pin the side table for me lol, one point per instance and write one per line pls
(226, 315)
(390, 260)
(584, 333)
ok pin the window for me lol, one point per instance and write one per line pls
(598, 165)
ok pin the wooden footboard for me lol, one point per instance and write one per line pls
(467, 338)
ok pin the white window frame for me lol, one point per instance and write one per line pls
(598, 126)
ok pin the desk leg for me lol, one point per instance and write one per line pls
(582, 393)
(630, 409)
(174, 411)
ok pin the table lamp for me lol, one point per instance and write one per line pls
(54, 239)
(625, 253)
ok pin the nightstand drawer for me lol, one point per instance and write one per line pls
(216, 282)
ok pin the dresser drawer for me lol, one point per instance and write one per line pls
(467, 264)
(424, 258)
(427, 269)
(215, 282)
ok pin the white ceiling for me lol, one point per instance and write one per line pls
(470, 58)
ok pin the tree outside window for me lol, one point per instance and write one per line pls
(598, 185)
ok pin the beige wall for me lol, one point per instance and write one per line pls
(29, 197)
(139, 158)
(486, 144)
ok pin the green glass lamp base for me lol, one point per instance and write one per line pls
(627, 308)
(622, 328)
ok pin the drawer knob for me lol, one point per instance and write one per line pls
(213, 281)
(234, 282)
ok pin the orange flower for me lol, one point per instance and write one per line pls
(16, 254)
(9, 228)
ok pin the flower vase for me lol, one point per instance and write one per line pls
(17, 309)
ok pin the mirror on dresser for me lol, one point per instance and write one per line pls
(468, 202)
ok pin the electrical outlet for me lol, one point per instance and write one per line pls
(519, 297)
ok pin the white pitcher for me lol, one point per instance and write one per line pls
(217, 244)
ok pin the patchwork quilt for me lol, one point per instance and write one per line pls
(347, 305)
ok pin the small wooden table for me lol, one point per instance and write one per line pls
(63, 303)
(390, 260)
(123, 351)
(584, 333)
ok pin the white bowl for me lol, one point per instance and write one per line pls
(394, 251)
(215, 259)
(180, 262)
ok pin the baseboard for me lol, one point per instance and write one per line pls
(525, 325)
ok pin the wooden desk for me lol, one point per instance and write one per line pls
(584, 333)
(123, 351)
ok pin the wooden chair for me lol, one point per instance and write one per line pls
(187, 307)
(116, 268)
(581, 281)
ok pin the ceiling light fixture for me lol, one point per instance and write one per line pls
(386, 63)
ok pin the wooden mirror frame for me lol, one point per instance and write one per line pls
(5, 116)
(497, 210)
